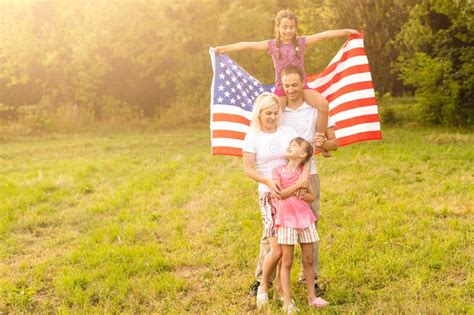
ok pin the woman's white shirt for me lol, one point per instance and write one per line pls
(269, 149)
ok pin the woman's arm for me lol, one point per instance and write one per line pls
(263, 45)
(310, 195)
(313, 39)
(250, 171)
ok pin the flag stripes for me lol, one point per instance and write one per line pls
(346, 83)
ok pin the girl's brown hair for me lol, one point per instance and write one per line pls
(308, 149)
(291, 16)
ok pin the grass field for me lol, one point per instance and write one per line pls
(151, 222)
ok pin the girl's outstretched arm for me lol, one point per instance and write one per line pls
(313, 39)
(263, 45)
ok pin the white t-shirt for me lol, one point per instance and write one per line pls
(303, 121)
(269, 149)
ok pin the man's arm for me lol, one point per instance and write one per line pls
(331, 141)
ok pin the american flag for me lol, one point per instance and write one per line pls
(346, 84)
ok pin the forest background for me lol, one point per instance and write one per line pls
(110, 201)
(70, 64)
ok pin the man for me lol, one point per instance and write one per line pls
(302, 118)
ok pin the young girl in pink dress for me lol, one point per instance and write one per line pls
(294, 221)
(288, 49)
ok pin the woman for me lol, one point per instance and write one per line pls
(263, 150)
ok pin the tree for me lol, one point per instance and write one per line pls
(436, 52)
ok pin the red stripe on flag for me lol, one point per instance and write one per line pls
(363, 136)
(357, 120)
(337, 77)
(228, 134)
(353, 104)
(350, 88)
(231, 118)
(226, 151)
(354, 52)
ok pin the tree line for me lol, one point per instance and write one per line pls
(101, 60)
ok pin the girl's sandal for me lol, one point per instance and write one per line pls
(290, 308)
(318, 303)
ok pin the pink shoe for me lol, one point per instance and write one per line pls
(318, 303)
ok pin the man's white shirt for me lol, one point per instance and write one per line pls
(303, 121)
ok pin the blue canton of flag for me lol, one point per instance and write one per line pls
(234, 86)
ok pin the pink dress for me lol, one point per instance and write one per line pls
(285, 56)
(292, 212)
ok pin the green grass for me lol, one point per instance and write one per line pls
(150, 222)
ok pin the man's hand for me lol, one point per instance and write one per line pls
(319, 139)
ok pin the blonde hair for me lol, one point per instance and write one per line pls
(263, 101)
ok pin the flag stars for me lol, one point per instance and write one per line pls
(227, 82)
(221, 87)
(232, 100)
(222, 76)
(227, 94)
(220, 99)
(233, 79)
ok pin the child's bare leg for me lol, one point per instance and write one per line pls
(269, 264)
(278, 278)
(282, 100)
(307, 253)
(286, 262)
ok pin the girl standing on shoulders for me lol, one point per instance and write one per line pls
(288, 49)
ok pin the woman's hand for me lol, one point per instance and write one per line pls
(274, 188)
